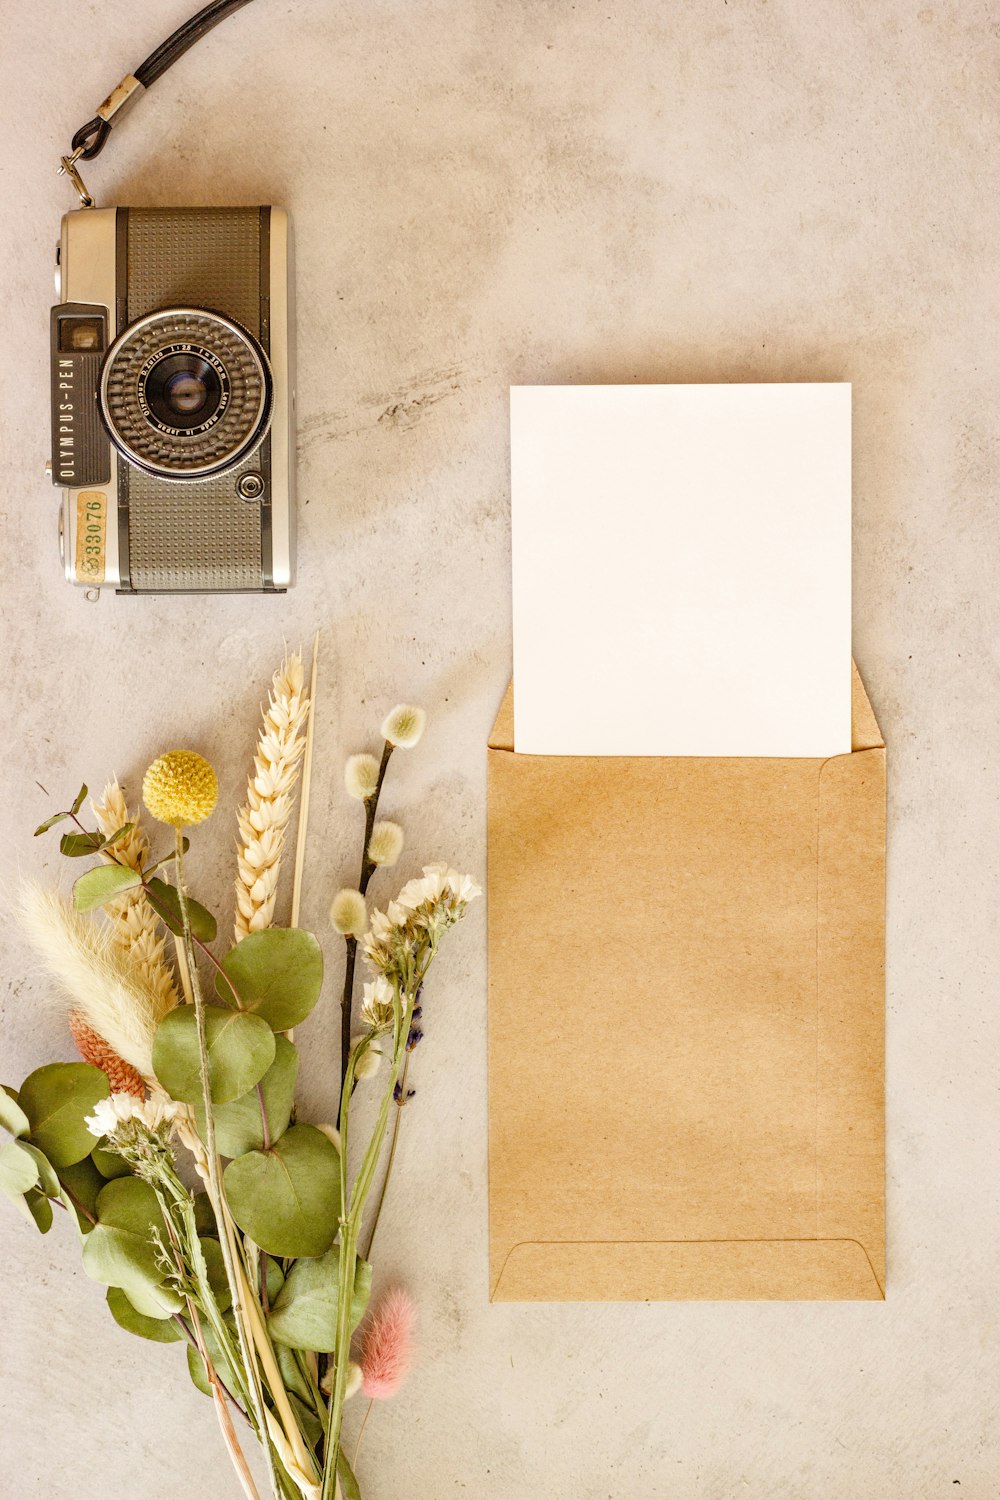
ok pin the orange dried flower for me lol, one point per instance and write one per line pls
(122, 1077)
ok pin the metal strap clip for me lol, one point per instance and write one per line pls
(69, 168)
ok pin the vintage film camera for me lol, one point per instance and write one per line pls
(172, 400)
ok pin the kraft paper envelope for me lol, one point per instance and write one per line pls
(686, 1022)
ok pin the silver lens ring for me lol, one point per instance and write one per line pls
(185, 393)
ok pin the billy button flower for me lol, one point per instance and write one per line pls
(180, 788)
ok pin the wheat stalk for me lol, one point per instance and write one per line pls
(135, 927)
(264, 817)
(98, 975)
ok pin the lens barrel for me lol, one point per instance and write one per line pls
(185, 393)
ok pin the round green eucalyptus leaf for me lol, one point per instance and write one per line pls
(109, 1163)
(117, 1257)
(56, 1100)
(12, 1116)
(103, 884)
(48, 1181)
(129, 1203)
(287, 1199)
(40, 1209)
(167, 904)
(18, 1170)
(158, 1330)
(240, 1051)
(238, 1126)
(304, 1315)
(84, 1181)
(277, 973)
(196, 1365)
(149, 1304)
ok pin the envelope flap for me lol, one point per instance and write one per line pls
(865, 733)
(502, 733)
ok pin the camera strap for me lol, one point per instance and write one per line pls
(90, 140)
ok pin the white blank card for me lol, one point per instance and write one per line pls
(682, 569)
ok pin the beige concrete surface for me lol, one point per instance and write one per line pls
(487, 193)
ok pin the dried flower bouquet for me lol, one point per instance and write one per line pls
(189, 1066)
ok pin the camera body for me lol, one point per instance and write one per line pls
(172, 400)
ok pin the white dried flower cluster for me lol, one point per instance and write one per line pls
(404, 726)
(386, 843)
(424, 909)
(377, 1008)
(264, 817)
(348, 913)
(154, 1115)
(135, 927)
(361, 776)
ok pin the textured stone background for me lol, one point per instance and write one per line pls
(487, 193)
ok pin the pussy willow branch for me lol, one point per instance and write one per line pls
(367, 871)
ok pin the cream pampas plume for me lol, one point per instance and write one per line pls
(387, 1345)
(100, 981)
(135, 927)
(265, 815)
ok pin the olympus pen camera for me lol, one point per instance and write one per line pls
(172, 405)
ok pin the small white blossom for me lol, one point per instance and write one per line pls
(348, 913)
(377, 1003)
(120, 1109)
(361, 776)
(386, 843)
(438, 883)
(404, 726)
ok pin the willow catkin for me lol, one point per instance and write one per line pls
(264, 817)
(135, 927)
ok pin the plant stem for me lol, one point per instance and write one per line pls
(351, 1227)
(361, 1433)
(236, 1291)
(367, 871)
(400, 1105)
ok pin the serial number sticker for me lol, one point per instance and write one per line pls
(91, 530)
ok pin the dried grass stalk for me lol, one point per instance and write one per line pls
(135, 926)
(265, 815)
(96, 974)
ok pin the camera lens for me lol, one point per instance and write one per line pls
(185, 393)
(183, 390)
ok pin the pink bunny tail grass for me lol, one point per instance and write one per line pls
(387, 1345)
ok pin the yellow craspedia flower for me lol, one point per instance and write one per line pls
(180, 788)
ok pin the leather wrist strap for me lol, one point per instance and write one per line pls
(90, 140)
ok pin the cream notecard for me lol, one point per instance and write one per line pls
(682, 569)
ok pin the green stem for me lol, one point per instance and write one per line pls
(367, 871)
(350, 1232)
(254, 1393)
(400, 1103)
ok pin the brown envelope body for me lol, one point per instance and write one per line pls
(686, 1022)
